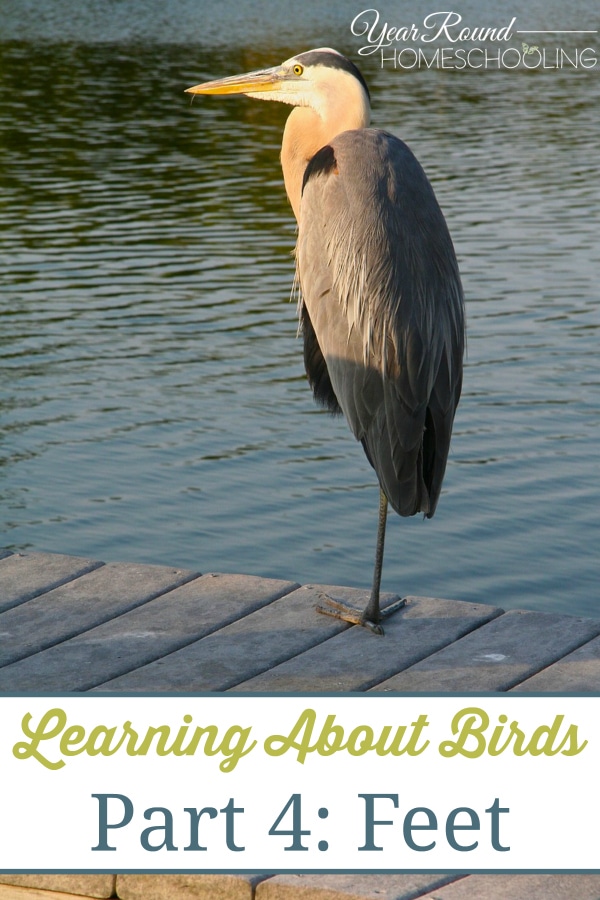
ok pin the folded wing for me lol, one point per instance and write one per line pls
(382, 309)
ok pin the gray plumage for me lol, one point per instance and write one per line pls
(383, 309)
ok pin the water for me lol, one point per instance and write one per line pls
(152, 397)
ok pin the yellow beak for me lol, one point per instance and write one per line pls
(251, 82)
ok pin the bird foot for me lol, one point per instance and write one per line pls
(347, 613)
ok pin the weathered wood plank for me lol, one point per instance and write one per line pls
(79, 605)
(498, 655)
(520, 887)
(578, 672)
(27, 575)
(243, 649)
(146, 633)
(350, 887)
(187, 887)
(356, 659)
(101, 886)
(12, 892)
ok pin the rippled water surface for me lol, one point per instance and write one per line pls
(152, 396)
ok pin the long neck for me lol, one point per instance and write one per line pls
(306, 132)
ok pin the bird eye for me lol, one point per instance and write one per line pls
(298, 69)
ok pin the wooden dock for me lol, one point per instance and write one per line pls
(74, 624)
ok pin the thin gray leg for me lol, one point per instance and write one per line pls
(372, 614)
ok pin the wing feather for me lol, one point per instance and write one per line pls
(383, 309)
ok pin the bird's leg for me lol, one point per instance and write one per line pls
(372, 614)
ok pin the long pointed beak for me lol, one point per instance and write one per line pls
(263, 80)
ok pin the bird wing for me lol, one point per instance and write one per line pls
(382, 309)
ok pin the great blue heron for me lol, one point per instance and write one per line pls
(381, 299)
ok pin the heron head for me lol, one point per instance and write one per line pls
(319, 79)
